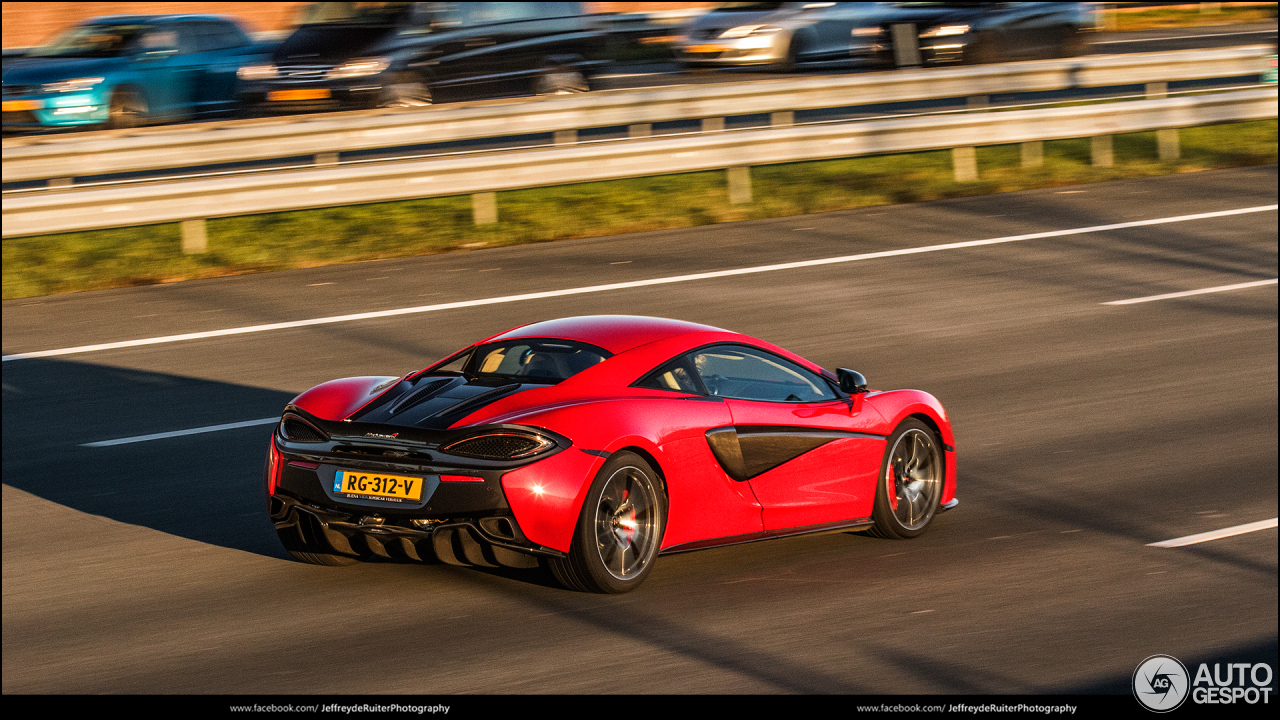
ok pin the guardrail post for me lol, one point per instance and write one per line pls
(739, 185)
(640, 130)
(566, 137)
(965, 161)
(1167, 142)
(60, 182)
(1033, 154)
(1101, 147)
(712, 124)
(1157, 90)
(195, 241)
(977, 102)
(782, 118)
(326, 158)
(484, 208)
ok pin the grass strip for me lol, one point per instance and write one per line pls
(1191, 15)
(72, 262)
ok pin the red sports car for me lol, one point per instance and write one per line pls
(593, 444)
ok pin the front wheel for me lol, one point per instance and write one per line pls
(790, 62)
(404, 93)
(127, 109)
(561, 82)
(910, 484)
(619, 529)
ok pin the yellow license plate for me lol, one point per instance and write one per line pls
(286, 95)
(377, 485)
(20, 105)
(704, 48)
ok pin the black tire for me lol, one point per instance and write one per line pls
(619, 529)
(405, 91)
(561, 81)
(791, 61)
(1071, 43)
(304, 545)
(984, 51)
(910, 482)
(128, 109)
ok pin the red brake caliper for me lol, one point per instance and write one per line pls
(630, 525)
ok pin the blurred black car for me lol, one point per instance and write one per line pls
(977, 33)
(397, 54)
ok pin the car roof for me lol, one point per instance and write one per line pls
(149, 19)
(615, 333)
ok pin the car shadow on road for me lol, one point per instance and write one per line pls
(205, 487)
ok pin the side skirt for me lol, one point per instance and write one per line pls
(840, 526)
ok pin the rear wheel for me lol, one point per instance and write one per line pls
(985, 50)
(1071, 43)
(910, 483)
(619, 529)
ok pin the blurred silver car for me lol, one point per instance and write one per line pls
(781, 35)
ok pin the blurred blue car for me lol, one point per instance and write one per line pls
(127, 70)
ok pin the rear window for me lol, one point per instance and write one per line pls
(548, 361)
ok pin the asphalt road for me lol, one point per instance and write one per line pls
(1084, 432)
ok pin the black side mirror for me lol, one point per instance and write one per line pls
(851, 381)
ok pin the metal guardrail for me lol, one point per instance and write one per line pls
(58, 158)
(74, 210)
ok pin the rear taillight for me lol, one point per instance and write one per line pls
(274, 467)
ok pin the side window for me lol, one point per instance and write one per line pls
(483, 13)
(675, 376)
(734, 371)
(224, 36)
(165, 38)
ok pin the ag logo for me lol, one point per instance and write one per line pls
(1160, 683)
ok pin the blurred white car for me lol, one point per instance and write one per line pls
(781, 35)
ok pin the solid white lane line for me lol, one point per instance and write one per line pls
(632, 284)
(1216, 534)
(1187, 293)
(180, 433)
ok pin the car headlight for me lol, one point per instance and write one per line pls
(745, 30)
(943, 30)
(70, 85)
(257, 72)
(359, 67)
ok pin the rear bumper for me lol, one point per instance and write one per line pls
(488, 541)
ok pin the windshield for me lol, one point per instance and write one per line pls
(748, 6)
(355, 13)
(534, 360)
(92, 41)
